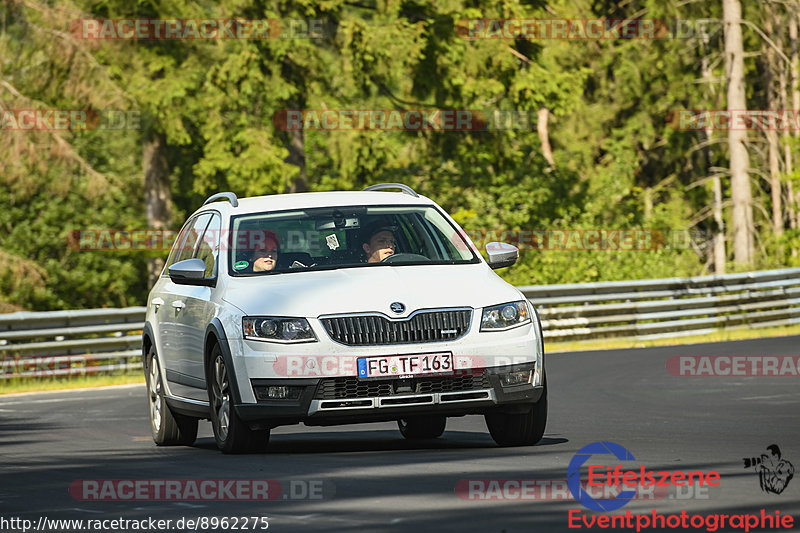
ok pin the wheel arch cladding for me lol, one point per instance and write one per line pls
(215, 334)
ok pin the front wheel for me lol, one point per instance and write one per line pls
(231, 432)
(525, 429)
(168, 428)
(422, 427)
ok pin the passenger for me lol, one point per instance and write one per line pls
(265, 254)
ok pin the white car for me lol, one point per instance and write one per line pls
(336, 308)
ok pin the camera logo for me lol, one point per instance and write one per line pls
(774, 473)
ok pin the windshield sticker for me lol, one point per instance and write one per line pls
(332, 241)
(238, 265)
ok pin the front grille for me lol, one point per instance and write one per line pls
(342, 388)
(424, 326)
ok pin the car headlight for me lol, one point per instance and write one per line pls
(277, 329)
(505, 316)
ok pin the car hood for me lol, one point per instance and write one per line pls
(369, 289)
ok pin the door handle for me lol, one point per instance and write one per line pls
(178, 305)
(157, 302)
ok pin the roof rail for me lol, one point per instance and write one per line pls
(381, 186)
(231, 197)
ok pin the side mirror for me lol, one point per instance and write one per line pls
(501, 254)
(190, 272)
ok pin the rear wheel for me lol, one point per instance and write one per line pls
(524, 429)
(422, 427)
(168, 428)
(231, 433)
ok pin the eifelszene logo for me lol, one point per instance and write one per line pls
(638, 476)
(774, 472)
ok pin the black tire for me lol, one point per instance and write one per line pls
(422, 427)
(168, 428)
(525, 429)
(232, 434)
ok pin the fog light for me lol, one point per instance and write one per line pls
(515, 378)
(277, 392)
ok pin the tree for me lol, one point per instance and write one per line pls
(737, 137)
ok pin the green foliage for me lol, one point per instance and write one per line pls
(619, 162)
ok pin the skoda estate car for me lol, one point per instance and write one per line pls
(335, 308)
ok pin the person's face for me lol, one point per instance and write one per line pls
(380, 246)
(265, 259)
(773, 457)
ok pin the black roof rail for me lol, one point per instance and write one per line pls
(231, 197)
(381, 186)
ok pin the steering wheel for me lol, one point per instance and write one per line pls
(404, 258)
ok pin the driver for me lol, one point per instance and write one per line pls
(378, 241)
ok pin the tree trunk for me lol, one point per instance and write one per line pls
(775, 181)
(297, 156)
(719, 233)
(739, 161)
(718, 240)
(772, 91)
(544, 136)
(790, 200)
(157, 194)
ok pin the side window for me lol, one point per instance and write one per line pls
(208, 250)
(187, 240)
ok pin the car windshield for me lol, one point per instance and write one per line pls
(344, 237)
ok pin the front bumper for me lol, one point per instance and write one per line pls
(332, 401)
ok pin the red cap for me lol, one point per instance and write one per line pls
(270, 241)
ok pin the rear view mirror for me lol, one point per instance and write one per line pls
(190, 272)
(501, 254)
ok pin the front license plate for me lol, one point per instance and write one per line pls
(440, 364)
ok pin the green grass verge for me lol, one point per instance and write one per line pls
(717, 336)
(17, 385)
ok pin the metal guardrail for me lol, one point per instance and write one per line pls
(100, 340)
(67, 343)
(670, 307)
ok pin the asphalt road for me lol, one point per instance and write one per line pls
(368, 478)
